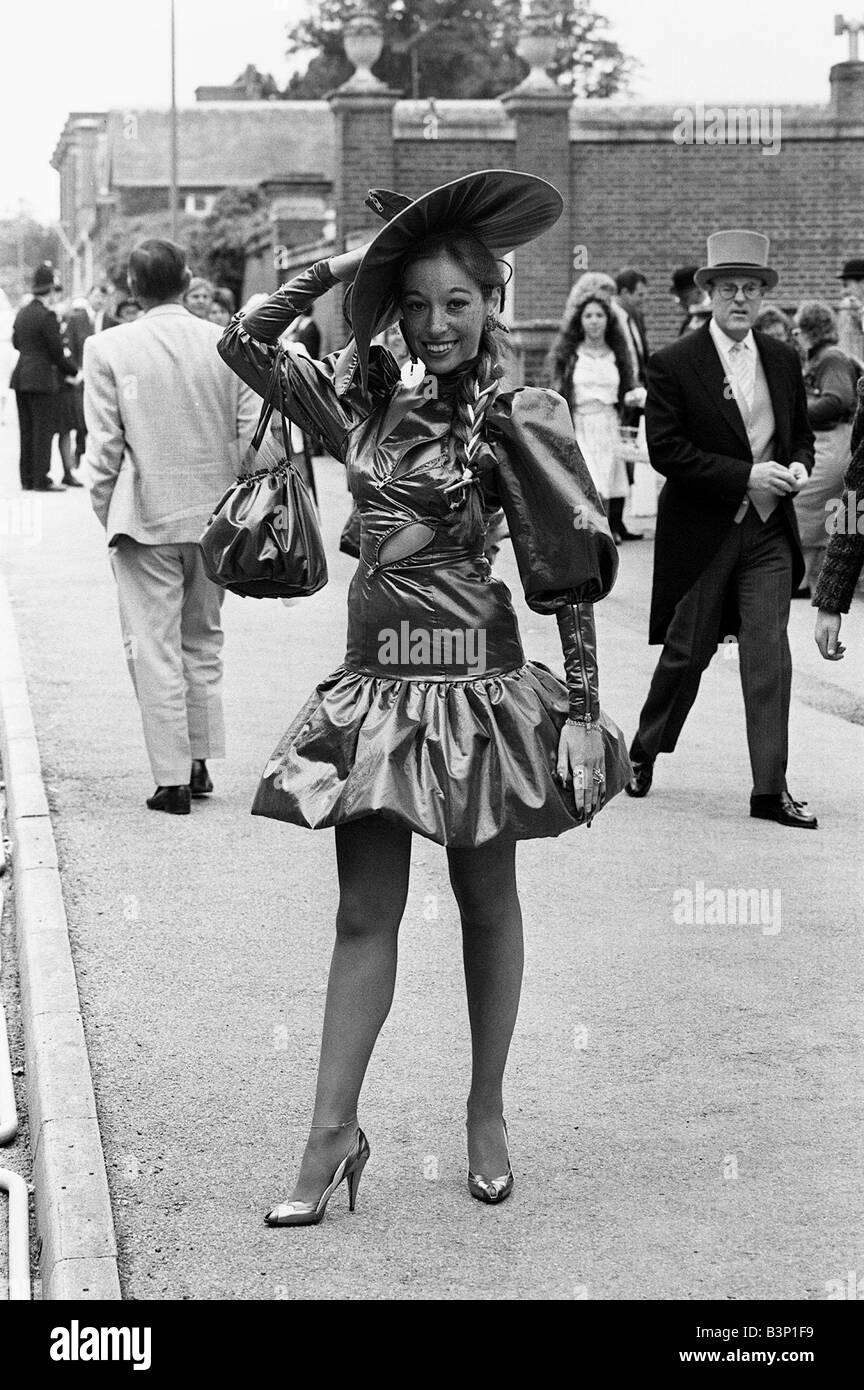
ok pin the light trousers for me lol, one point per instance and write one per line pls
(172, 634)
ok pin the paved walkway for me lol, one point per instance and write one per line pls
(683, 1097)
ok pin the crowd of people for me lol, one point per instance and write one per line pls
(48, 380)
(751, 434)
(599, 359)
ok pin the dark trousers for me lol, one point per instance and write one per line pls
(37, 424)
(80, 426)
(755, 560)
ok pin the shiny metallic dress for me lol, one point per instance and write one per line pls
(435, 719)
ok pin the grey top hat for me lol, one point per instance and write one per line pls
(737, 252)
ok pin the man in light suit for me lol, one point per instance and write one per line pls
(168, 425)
(727, 425)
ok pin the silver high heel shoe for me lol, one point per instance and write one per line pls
(351, 1169)
(492, 1190)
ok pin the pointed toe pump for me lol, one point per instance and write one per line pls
(310, 1213)
(492, 1190)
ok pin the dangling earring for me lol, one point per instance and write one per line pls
(491, 323)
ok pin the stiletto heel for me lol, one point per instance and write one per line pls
(310, 1213)
(353, 1177)
(493, 1190)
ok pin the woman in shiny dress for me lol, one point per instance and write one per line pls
(435, 722)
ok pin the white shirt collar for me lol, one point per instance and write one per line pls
(724, 344)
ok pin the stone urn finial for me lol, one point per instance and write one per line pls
(363, 43)
(537, 43)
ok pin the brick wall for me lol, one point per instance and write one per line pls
(423, 164)
(652, 205)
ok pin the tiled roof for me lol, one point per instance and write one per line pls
(222, 144)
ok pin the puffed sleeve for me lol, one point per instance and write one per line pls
(563, 545)
(312, 400)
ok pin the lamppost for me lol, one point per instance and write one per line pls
(173, 190)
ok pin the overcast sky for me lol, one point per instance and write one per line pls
(91, 55)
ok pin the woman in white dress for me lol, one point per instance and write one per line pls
(591, 370)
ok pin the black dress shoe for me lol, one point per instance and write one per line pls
(48, 487)
(175, 800)
(70, 481)
(781, 808)
(643, 770)
(199, 779)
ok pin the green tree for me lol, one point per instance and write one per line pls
(215, 244)
(24, 244)
(457, 48)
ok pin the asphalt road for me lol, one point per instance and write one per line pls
(683, 1097)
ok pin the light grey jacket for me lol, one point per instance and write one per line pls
(168, 424)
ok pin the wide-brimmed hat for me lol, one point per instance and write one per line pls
(500, 207)
(737, 252)
(853, 270)
(44, 277)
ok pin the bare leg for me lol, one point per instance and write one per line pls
(373, 859)
(64, 444)
(484, 882)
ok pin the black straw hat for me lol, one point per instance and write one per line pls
(500, 207)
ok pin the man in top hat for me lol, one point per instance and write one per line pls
(41, 367)
(850, 316)
(726, 421)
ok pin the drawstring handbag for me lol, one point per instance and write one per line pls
(263, 539)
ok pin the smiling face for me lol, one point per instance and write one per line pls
(444, 313)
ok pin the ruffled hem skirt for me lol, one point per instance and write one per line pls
(459, 762)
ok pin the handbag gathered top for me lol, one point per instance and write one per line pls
(263, 539)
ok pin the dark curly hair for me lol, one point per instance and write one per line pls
(562, 356)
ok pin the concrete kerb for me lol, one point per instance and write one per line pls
(73, 1206)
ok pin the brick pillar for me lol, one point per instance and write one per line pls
(543, 270)
(364, 159)
(365, 156)
(847, 92)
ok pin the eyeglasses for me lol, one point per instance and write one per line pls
(728, 289)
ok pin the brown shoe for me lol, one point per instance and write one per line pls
(175, 800)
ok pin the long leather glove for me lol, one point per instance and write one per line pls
(268, 322)
(579, 645)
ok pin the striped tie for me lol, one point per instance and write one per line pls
(744, 368)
